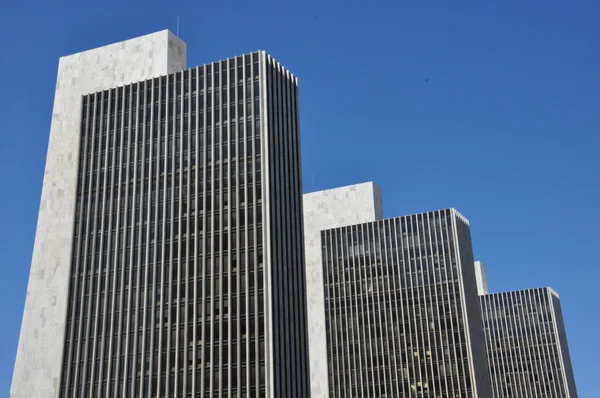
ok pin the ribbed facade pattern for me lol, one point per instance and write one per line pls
(286, 284)
(527, 346)
(398, 317)
(175, 237)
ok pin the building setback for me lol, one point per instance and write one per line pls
(527, 345)
(401, 309)
(179, 268)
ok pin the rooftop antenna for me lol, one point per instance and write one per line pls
(313, 178)
(177, 27)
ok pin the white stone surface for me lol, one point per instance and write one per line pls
(39, 356)
(332, 208)
(481, 277)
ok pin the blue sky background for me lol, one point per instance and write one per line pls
(506, 129)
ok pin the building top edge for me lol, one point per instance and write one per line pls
(291, 75)
(426, 213)
(534, 289)
(339, 189)
(165, 32)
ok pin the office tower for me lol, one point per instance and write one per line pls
(38, 364)
(527, 346)
(169, 252)
(323, 210)
(401, 309)
(481, 278)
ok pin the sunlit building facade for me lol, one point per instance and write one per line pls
(401, 308)
(180, 267)
(527, 345)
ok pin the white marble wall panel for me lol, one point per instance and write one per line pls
(481, 277)
(38, 364)
(332, 208)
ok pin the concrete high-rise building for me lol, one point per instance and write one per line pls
(401, 309)
(527, 346)
(168, 258)
(481, 278)
(324, 210)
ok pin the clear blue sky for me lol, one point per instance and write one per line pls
(506, 129)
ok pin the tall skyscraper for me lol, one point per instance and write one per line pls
(169, 252)
(527, 345)
(401, 309)
(324, 210)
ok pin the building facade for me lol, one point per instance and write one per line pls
(401, 309)
(181, 261)
(327, 209)
(527, 345)
(481, 278)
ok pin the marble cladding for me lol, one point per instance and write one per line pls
(39, 356)
(332, 208)
(481, 277)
